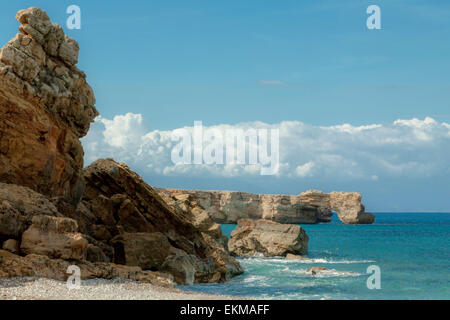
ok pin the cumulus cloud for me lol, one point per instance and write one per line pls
(409, 148)
(305, 170)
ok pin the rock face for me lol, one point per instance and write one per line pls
(347, 205)
(33, 265)
(146, 231)
(54, 237)
(105, 219)
(11, 245)
(45, 107)
(18, 206)
(211, 232)
(253, 237)
(306, 208)
(230, 206)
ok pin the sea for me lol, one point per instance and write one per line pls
(410, 252)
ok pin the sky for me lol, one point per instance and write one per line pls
(357, 109)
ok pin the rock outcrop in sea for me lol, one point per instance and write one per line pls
(104, 219)
(308, 207)
(269, 238)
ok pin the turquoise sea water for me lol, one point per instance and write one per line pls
(411, 249)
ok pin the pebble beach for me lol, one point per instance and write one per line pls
(94, 289)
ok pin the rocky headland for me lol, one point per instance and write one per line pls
(306, 208)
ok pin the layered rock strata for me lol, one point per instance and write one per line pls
(46, 105)
(347, 205)
(307, 208)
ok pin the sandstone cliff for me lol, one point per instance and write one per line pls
(104, 218)
(46, 105)
(308, 207)
(347, 205)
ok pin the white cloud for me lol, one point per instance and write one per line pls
(409, 148)
(305, 170)
(416, 123)
(123, 130)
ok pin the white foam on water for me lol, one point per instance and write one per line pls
(257, 280)
(322, 260)
(266, 260)
(329, 273)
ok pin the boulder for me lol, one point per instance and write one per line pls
(18, 205)
(11, 245)
(95, 254)
(183, 267)
(147, 250)
(46, 106)
(54, 237)
(254, 237)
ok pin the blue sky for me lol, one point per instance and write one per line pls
(228, 62)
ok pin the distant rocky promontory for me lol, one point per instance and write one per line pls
(306, 208)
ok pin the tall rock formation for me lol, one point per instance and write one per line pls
(306, 208)
(46, 105)
(105, 218)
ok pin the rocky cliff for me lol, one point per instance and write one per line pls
(347, 205)
(53, 213)
(46, 106)
(308, 207)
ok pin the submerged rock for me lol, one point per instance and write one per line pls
(291, 256)
(253, 237)
(315, 270)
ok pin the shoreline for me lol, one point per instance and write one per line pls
(30, 288)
